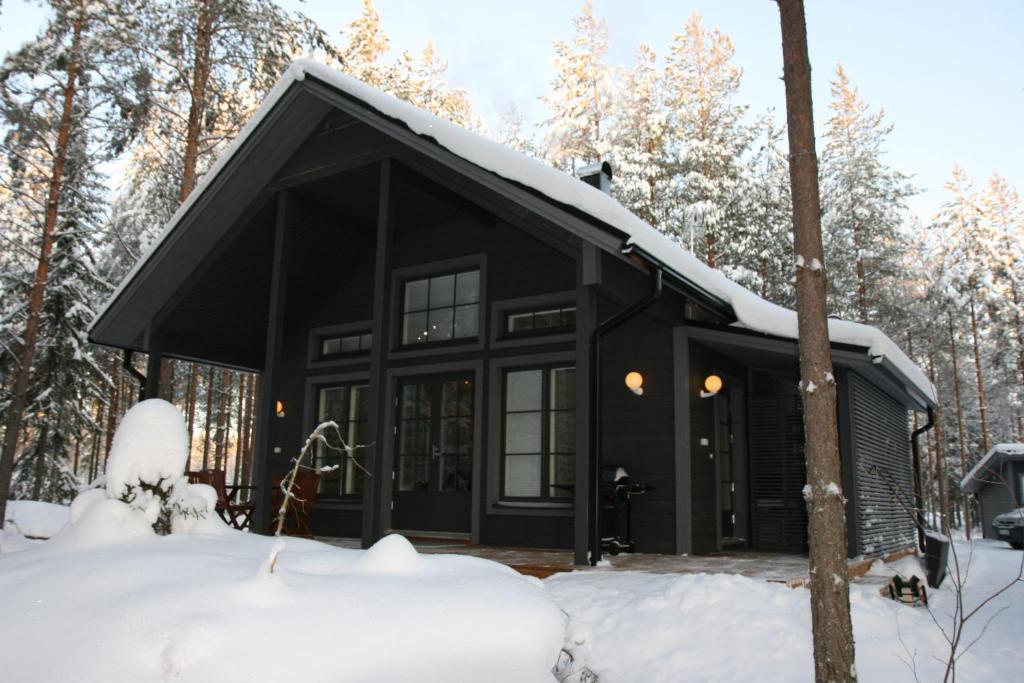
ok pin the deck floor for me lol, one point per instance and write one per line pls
(778, 567)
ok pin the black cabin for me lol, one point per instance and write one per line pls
(472, 315)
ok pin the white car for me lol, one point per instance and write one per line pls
(1009, 527)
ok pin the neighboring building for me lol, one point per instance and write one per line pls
(441, 297)
(997, 482)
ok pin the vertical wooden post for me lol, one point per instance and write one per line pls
(155, 349)
(268, 377)
(588, 275)
(373, 487)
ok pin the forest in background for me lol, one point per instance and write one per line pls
(111, 115)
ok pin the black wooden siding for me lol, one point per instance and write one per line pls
(881, 442)
(638, 432)
(778, 473)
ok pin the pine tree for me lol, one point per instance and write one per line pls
(759, 251)
(366, 44)
(864, 203)
(711, 135)
(832, 629)
(68, 103)
(641, 141)
(577, 132)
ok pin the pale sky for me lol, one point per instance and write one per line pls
(949, 74)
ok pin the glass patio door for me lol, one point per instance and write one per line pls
(434, 454)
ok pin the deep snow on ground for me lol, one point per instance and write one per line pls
(202, 607)
(107, 600)
(34, 519)
(714, 627)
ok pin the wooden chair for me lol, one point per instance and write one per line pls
(296, 521)
(235, 513)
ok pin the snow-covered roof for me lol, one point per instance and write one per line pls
(973, 480)
(752, 312)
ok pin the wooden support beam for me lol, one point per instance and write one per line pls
(586, 323)
(269, 381)
(155, 349)
(683, 473)
(373, 504)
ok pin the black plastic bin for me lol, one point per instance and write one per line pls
(936, 558)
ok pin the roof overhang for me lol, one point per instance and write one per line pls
(880, 371)
(988, 469)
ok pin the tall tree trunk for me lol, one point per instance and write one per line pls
(167, 377)
(26, 356)
(200, 79)
(222, 417)
(113, 409)
(78, 453)
(210, 377)
(190, 403)
(862, 278)
(940, 468)
(830, 589)
(959, 407)
(238, 428)
(250, 430)
(40, 464)
(979, 373)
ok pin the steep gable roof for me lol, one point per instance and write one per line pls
(751, 311)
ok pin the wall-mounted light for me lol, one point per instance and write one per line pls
(712, 385)
(279, 407)
(635, 382)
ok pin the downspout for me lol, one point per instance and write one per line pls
(134, 372)
(604, 328)
(918, 485)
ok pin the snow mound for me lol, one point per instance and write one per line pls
(35, 519)
(392, 554)
(150, 447)
(196, 608)
(82, 502)
(101, 523)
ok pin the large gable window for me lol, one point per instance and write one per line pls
(539, 433)
(443, 308)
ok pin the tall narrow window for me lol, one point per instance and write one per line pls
(347, 406)
(539, 433)
(441, 308)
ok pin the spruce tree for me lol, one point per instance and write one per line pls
(69, 100)
(711, 139)
(865, 205)
(641, 141)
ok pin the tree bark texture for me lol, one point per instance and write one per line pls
(27, 352)
(830, 591)
(979, 374)
(220, 435)
(210, 378)
(961, 438)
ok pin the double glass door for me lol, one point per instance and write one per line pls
(434, 454)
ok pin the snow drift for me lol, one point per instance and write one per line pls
(197, 608)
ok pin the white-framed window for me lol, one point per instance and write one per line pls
(538, 442)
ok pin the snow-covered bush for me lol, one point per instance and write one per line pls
(146, 468)
(145, 488)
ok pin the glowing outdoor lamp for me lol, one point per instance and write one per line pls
(635, 382)
(280, 409)
(712, 385)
